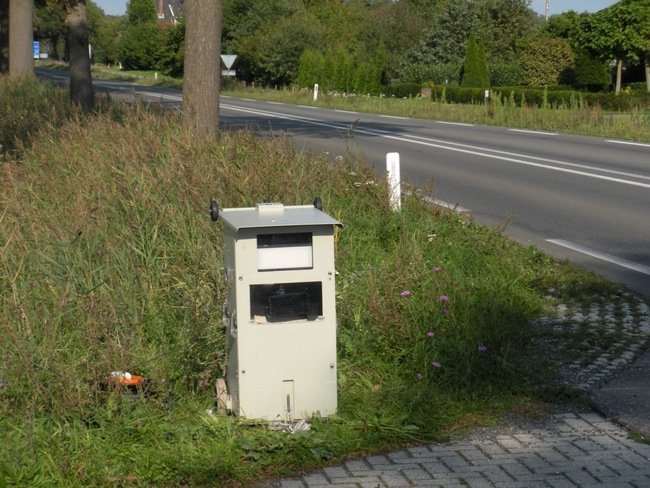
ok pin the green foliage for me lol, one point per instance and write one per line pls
(140, 46)
(621, 31)
(311, 68)
(591, 73)
(173, 50)
(140, 12)
(49, 27)
(475, 68)
(105, 33)
(274, 52)
(438, 74)
(553, 97)
(505, 73)
(547, 61)
(403, 90)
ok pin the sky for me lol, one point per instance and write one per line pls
(118, 7)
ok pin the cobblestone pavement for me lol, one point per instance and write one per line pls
(567, 450)
(591, 344)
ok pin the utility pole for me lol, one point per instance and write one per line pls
(546, 10)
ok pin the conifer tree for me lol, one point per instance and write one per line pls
(476, 73)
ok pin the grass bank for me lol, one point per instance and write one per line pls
(108, 262)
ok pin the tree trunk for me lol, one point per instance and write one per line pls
(619, 75)
(647, 72)
(21, 37)
(202, 77)
(81, 85)
(4, 36)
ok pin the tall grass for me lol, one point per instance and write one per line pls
(27, 108)
(108, 262)
(574, 117)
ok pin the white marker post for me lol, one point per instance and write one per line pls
(394, 181)
(315, 92)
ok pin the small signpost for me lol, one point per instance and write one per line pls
(228, 61)
(37, 49)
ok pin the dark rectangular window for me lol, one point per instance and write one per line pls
(285, 302)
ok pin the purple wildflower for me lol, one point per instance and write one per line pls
(445, 310)
(430, 333)
(405, 293)
(436, 365)
(444, 298)
(482, 349)
(437, 269)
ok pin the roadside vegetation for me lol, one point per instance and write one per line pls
(109, 262)
(572, 115)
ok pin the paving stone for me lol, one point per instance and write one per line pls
(335, 472)
(572, 451)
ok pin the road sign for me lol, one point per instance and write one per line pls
(228, 60)
(37, 49)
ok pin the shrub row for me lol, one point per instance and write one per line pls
(550, 97)
(402, 90)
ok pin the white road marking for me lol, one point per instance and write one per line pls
(624, 263)
(346, 111)
(275, 103)
(394, 117)
(466, 149)
(462, 124)
(307, 106)
(538, 132)
(628, 143)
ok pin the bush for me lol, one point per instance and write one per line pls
(140, 48)
(546, 61)
(591, 74)
(402, 90)
(550, 97)
(439, 74)
(505, 74)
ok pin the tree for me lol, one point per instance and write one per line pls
(81, 86)
(140, 45)
(311, 68)
(274, 51)
(201, 82)
(21, 36)
(105, 33)
(546, 61)
(591, 73)
(475, 69)
(50, 28)
(620, 32)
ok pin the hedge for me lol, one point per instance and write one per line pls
(555, 97)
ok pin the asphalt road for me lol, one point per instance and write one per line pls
(586, 199)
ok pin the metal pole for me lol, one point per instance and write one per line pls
(546, 9)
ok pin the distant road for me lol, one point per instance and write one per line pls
(586, 199)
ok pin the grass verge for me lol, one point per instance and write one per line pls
(108, 262)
